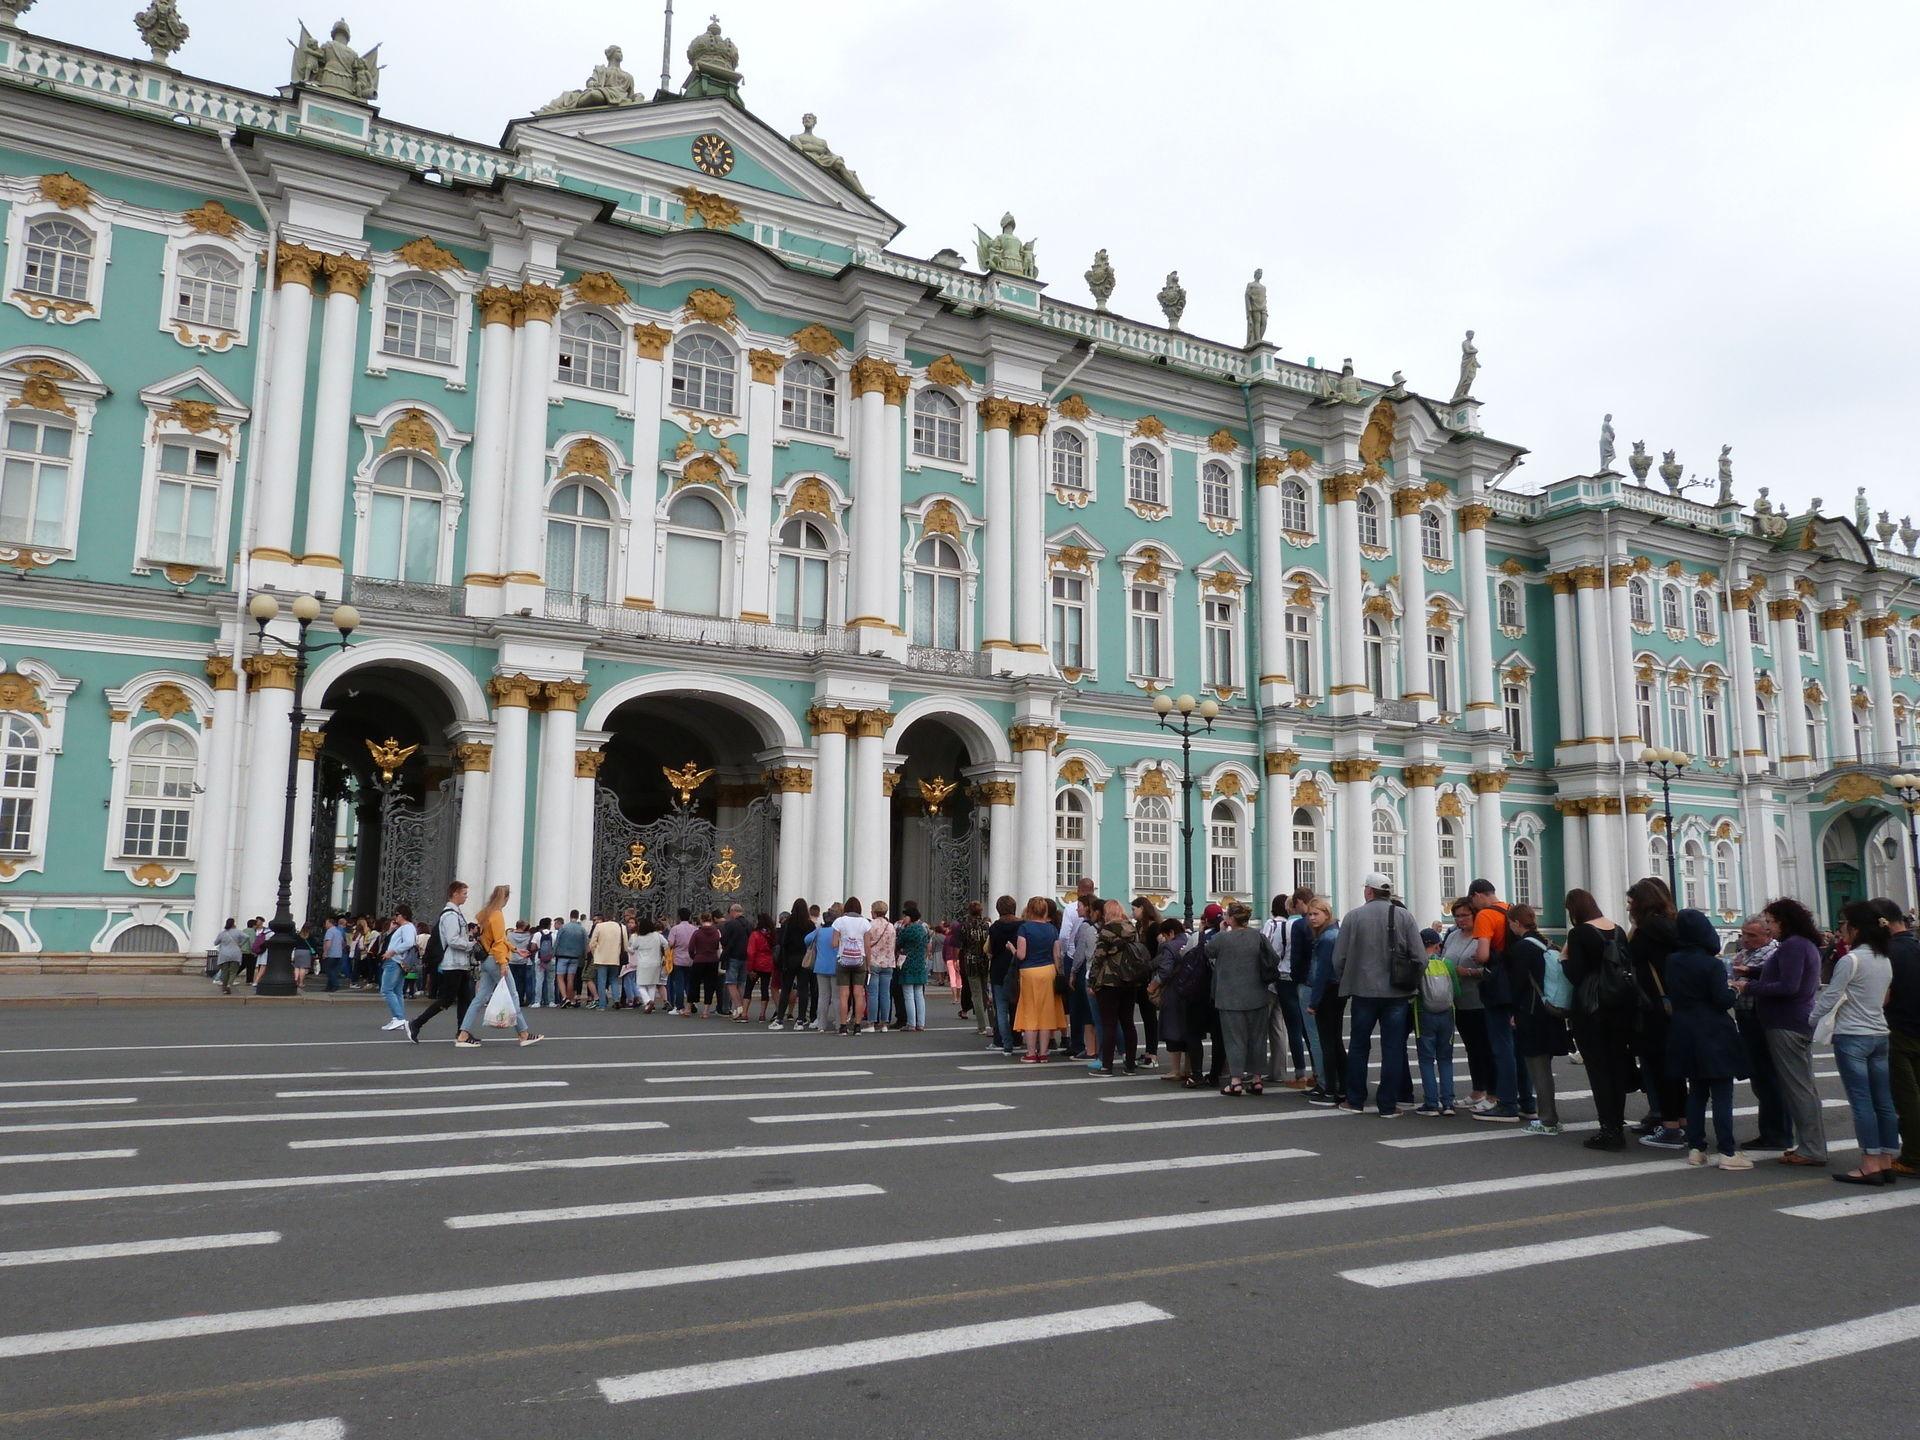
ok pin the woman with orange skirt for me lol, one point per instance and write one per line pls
(1040, 1013)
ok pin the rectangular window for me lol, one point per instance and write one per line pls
(34, 470)
(1643, 713)
(1218, 644)
(1300, 651)
(1069, 843)
(1223, 859)
(1069, 622)
(1513, 707)
(1438, 677)
(186, 500)
(1679, 720)
(1146, 605)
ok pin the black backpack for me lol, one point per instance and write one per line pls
(1611, 988)
(436, 947)
(1192, 972)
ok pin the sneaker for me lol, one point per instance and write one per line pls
(1149, 1062)
(1736, 1161)
(1429, 1110)
(1389, 1114)
(1322, 1099)
(1696, 1157)
(1447, 1112)
(1665, 1139)
(1349, 1109)
(413, 1032)
(531, 1039)
(1534, 1127)
(1497, 1116)
(775, 1025)
(1605, 1141)
(843, 1029)
(1096, 1068)
(1645, 1127)
(1482, 1107)
(394, 1024)
(468, 1044)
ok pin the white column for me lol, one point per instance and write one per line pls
(271, 702)
(1589, 596)
(1619, 650)
(1003, 844)
(1423, 855)
(870, 529)
(310, 742)
(1348, 675)
(492, 432)
(1607, 859)
(1276, 824)
(587, 759)
(526, 538)
(1839, 686)
(1034, 810)
(1413, 603)
(1489, 829)
(997, 539)
(1796, 745)
(1637, 843)
(892, 463)
(333, 411)
(507, 792)
(1573, 851)
(757, 582)
(554, 888)
(278, 474)
(473, 759)
(1566, 677)
(210, 888)
(642, 525)
(829, 803)
(1030, 533)
(1743, 702)
(1880, 688)
(1483, 710)
(793, 783)
(1353, 835)
(1268, 577)
(867, 796)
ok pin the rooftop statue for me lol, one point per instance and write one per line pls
(1005, 252)
(607, 85)
(1884, 528)
(1469, 368)
(1813, 507)
(1762, 505)
(1639, 462)
(1100, 280)
(1256, 310)
(161, 29)
(1908, 535)
(1173, 300)
(336, 65)
(821, 153)
(1862, 516)
(1606, 444)
(715, 61)
(1670, 471)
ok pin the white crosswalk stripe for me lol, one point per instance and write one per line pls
(53, 1157)
(1869, 1203)
(490, 1086)
(74, 1103)
(661, 1207)
(900, 1112)
(298, 1430)
(1139, 1168)
(1515, 1257)
(176, 1245)
(521, 1132)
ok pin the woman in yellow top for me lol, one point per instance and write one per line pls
(492, 921)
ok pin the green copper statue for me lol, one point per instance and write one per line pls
(336, 65)
(821, 153)
(1005, 252)
(607, 85)
(716, 65)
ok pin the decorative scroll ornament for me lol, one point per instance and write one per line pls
(388, 756)
(941, 519)
(1229, 784)
(1074, 557)
(212, 218)
(1221, 442)
(711, 307)
(196, 416)
(702, 470)
(651, 340)
(810, 496)
(936, 792)
(1225, 583)
(584, 457)
(41, 390)
(816, 340)
(1376, 441)
(1149, 571)
(21, 693)
(65, 191)
(424, 254)
(1154, 783)
(1307, 793)
(597, 287)
(167, 700)
(1074, 407)
(687, 779)
(726, 877)
(636, 873)
(1152, 427)
(1073, 772)
(151, 875)
(716, 212)
(412, 431)
(948, 371)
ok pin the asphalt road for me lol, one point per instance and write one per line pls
(649, 1225)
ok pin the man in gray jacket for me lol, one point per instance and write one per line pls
(1371, 936)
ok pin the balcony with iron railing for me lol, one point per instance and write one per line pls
(405, 597)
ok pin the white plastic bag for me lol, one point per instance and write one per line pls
(502, 1013)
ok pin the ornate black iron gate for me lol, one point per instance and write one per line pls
(956, 865)
(330, 779)
(682, 860)
(418, 843)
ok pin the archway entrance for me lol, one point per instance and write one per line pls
(682, 818)
(939, 835)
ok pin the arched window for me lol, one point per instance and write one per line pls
(1069, 461)
(1657, 854)
(1526, 887)
(809, 398)
(936, 595)
(186, 504)
(1069, 838)
(145, 940)
(1639, 611)
(696, 551)
(1703, 613)
(1373, 644)
(1223, 850)
(35, 469)
(1693, 878)
(1143, 476)
(1448, 840)
(801, 581)
(1152, 846)
(1386, 846)
(207, 291)
(418, 321)
(579, 541)
(1509, 602)
(58, 259)
(159, 814)
(403, 521)
(703, 374)
(1216, 491)
(1433, 536)
(1913, 653)
(1295, 512)
(936, 425)
(1369, 509)
(1670, 615)
(1306, 849)
(1803, 630)
(19, 783)
(589, 352)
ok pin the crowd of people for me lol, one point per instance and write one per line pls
(1653, 1004)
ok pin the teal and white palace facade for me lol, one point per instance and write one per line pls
(639, 451)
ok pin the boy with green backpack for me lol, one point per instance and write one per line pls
(1433, 1025)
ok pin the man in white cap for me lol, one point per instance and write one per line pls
(1377, 962)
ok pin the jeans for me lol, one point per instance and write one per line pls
(677, 988)
(1286, 1016)
(484, 983)
(338, 972)
(880, 997)
(1792, 1055)
(522, 982)
(1436, 1058)
(1329, 1021)
(1313, 1045)
(1472, 1025)
(540, 982)
(604, 979)
(1865, 1063)
(1721, 1094)
(914, 1001)
(1395, 1019)
(1903, 1065)
(827, 1000)
(1512, 1086)
(1004, 998)
(392, 976)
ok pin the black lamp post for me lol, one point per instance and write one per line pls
(1907, 785)
(278, 976)
(1667, 765)
(1186, 727)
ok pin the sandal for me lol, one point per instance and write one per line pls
(1232, 1087)
(1187, 1082)
(1256, 1088)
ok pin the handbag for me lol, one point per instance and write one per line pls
(1823, 1032)
(502, 1013)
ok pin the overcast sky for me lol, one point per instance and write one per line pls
(1701, 217)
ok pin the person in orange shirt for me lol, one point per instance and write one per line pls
(1512, 1087)
(494, 971)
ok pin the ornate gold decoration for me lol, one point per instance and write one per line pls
(1301, 596)
(896, 387)
(810, 496)
(312, 742)
(473, 757)
(1225, 582)
(598, 287)
(220, 672)
(941, 519)
(1376, 441)
(1764, 685)
(996, 412)
(1307, 793)
(1281, 762)
(870, 724)
(40, 391)
(270, 671)
(871, 374)
(151, 874)
(790, 779)
(765, 364)
(711, 307)
(513, 691)
(41, 306)
(212, 218)
(388, 756)
(1149, 571)
(685, 448)
(587, 763)
(1350, 771)
(296, 264)
(1229, 784)
(412, 431)
(1378, 607)
(65, 191)
(1221, 442)
(21, 693)
(1074, 557)
(1154, 782)
(1835, 618)
(889, 782)
(424, 254)
(1030, 736)
(651, 340)
(496, 305)
(1487, 782)
(1517, 674)
(726, 877)
(196, 416)
(1074, 407)
(1875, 627)
(346, 275)
(587, 457)
(167, 700)
(635, 872)
(1812, 693)
(1073, 772)
(949, 371)
(1560, 584)
(1150, 426)
(716, 212)
(936, 792)
(830, 719)
(540, 302)
(1675, 569)
(1266, 470)
(1408, 500)
(1424, 775)
(816, 340)
(1339, 489)
(1783, 609)
(1804, 586)
(1449, 806)
(1474, 517)
(687, 779)
(994, 792)
(702, 470)
(1029, 419)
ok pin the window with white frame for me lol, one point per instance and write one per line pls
(1693, 877)
(1368, 505)
(1448, 840)
(703, 374)
(1440, 667)
(1299, 631)
(1433, 536)
(1670, 614)
(1526, 884)
(186, 504)
(588, 351)
(20, 759)
(1306, 849)
(1643, 712)
(1680, 717)
(1068, 620)
(57, 259)
(404, 521)
(579, 540)
(1223, 850)
(1849, 645)
(936, 426)
(1069, 461)
(1803, 630)
(1386, 846)
(936, 594)
(1219, 635)
(1703, 614)
(1296, 512)
(1763, 718)
(1913, 653)
(1508, 594)
(1216, 491)
(1513, 712)
(696, 554)
(158, 818)
(1145, 479)
(1069, 838)
(809, 397)
(418, 319)
(1657, 852)
(207, 289)
(1712, 737)
(1893, 650)
(1373, 649)
(1152, 845)
(1862, 731)
(1816, 733)
(1756, 628)
(1723, 875)
(802, 571)
(36, 473)
(1639, 608)
(1147, 631)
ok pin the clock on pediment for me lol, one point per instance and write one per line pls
(713, 154)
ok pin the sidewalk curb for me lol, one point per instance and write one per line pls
(51, 1001)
